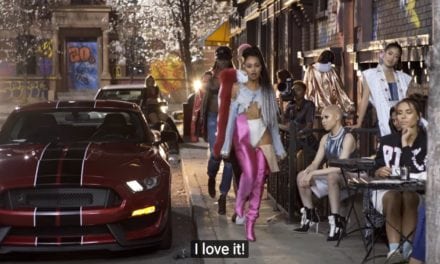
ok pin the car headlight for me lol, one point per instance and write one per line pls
(147, 184)
(135, 186)
(151, 182)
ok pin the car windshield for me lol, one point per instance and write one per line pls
(130, 95)
(74, 126)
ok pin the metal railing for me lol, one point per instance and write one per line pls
(282, 186)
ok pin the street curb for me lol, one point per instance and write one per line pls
(199, 209)
(189, 192)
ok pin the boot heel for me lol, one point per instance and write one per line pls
(317, 228)
(337, 226)
(308, 220)
(316, 219)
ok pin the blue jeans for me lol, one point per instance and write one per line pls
(419, 242)
(214, 165)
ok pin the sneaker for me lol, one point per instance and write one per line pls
(394, 257)
(237, 219)
(222, 204)
(407, 255)
(211, 187)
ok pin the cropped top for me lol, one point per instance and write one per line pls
(239, 105)
(245, 97)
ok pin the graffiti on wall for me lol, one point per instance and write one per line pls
(82, 65)
(45, 53)
(19, 90)
(45, 49)
(410, 9)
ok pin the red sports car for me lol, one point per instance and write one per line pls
(82, 175)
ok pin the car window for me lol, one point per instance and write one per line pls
(75, 125)
(130, 95)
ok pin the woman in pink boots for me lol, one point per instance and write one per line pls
(253, 129)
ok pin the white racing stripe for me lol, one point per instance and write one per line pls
(80, 217)
(38, 164)
(83, 161)
(35, 217)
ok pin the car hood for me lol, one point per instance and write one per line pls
(76, 163)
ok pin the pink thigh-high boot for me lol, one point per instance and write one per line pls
(256, 194)
(246, 157)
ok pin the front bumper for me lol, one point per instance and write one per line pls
(45, 229)
(114, 241)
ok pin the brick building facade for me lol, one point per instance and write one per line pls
(68, 53)
(292, 33)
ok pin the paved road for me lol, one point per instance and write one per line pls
(183, 232)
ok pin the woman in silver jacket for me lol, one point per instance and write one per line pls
(253, 129)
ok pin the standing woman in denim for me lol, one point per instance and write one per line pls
(253, 129)
(383, 87)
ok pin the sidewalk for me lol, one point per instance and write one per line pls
(276, 242)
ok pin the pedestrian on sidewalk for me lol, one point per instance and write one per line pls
(253, 130)
(227, 78)
(196, 120)
(336, 144)
(153, 99)
(209, 113)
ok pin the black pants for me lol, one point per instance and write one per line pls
(235, 166)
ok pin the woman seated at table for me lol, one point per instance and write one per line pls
(337, 144)
(405, 149)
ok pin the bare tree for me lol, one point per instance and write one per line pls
(169, 26)
(191, 20)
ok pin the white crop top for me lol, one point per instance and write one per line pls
(245, 97)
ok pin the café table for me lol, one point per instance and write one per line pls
(410, 185)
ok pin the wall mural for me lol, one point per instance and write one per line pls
(410, 8)
(82, 65)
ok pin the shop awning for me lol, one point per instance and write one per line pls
(219, 36)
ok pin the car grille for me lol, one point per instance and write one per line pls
(59, 198)
(54, 231)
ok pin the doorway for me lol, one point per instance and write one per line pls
(82, 64)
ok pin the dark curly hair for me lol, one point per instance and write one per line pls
(395, 45)
(269, 108)
(326, 56)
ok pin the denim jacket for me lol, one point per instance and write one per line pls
(238, 106)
